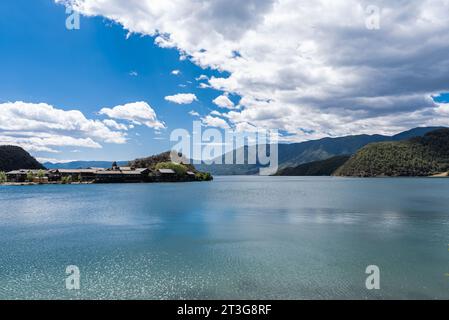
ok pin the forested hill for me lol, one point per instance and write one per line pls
(14, 158)
(421, 156)
(317, 168)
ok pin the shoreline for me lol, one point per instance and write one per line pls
(18, 184)
(25, 184)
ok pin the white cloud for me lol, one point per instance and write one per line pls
(193, 113)
(202, 77)
(139, 113)
(42, 127)
(210, 121)
(176, 72)
(216, 113)
(309, 65)
(223, 101)
(52, 160)
(34, 142)
(182, 98)
(134, 74)
(115, 125)
(204, 86)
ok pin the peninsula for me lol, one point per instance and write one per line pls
(153, 169)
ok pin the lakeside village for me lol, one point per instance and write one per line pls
(162, 172)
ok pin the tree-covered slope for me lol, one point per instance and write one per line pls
(317, 168)
(14, 158)
(421, 156)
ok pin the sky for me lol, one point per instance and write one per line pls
(136, 70)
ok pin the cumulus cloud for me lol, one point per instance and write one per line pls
(115, 125)
(223, 101)
(309, 67)
(34, 142)
(52, 160)
(204, 86)
(139, 113)
(202, 77)
(193, 113)
(182, 98)
(42, 127)
(210, 121)
(176, 72)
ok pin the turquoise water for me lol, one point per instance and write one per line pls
(234, 238)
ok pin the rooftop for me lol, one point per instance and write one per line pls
(166, 171)
(118, 173)
(77, 170)
(22, 171)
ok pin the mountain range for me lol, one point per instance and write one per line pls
(290, 155)
(83, 164)
(295, 154)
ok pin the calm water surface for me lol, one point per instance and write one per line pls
(234, 238)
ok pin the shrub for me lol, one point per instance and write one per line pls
(204, 176)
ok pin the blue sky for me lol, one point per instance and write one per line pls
(92, 68)
(97, 94)
(442, 98)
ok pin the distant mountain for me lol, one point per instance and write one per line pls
(419, 156)
(14, 158)
(83, 164)
(295, 154)
(290, 155)
(417, 132)
(314, 169)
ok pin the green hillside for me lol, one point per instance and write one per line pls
(422, 156)
(317, 168)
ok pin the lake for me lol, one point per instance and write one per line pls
(233, 238)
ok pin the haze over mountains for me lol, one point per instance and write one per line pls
(290, 155)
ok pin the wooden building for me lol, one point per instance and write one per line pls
(80, 175)
(122, 176)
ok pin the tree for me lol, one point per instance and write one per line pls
(66, 180)
(30, 176)
(3, 178)
(41, 174)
